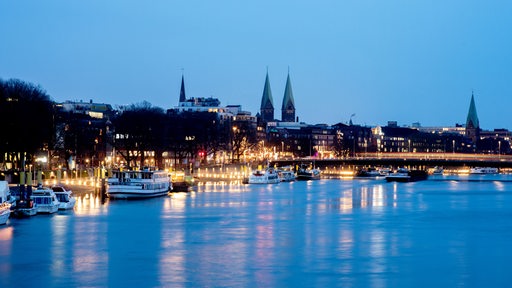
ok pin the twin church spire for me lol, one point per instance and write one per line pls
(267, 103)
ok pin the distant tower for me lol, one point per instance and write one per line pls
(267, 104)
(288, 108)
(183, 98)
(472, 124)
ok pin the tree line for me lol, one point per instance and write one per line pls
(35, 126)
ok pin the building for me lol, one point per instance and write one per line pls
(267, 103)
(472, 123)
(288, 107)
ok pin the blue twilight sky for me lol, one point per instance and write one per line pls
(408, 61)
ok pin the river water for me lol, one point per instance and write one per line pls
(451, 231)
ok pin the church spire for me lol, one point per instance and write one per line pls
(472, 123)
(267, 104)
(183, 98)
(472, 120)
(288, 107)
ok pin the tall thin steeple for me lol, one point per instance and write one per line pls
(183, 98)
(472, 123)
(267, 103)
(288, 107)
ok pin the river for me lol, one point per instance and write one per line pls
(450, 231)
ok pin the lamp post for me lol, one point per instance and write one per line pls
(453, 146)
(499, 149)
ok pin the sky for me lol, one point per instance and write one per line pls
(380, 61)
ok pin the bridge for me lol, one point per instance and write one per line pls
(418, 160)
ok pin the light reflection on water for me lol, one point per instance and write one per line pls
(314, 234)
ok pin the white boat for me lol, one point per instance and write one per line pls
(5, 205)
(483, 170)
(65, 197)
(267, 176)
(45, 200)
(308, 173)
(138, 184)
(286, 174)
(406, 175)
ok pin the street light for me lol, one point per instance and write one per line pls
(453, 146)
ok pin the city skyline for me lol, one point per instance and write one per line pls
(413, 62)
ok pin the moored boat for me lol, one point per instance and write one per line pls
(286, 174)
(483, 170)
(146, 183)
(308, 173)
(5, 205)
(406, 175)
(65, 197)
(267, 176)
(45, 200)
(368, 172)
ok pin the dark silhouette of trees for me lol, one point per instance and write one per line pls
(28, 126)
(138, 131)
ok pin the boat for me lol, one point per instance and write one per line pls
(483, 170)
(24, 206)
(5, 205)
(267, 176)
(406, 175)
(437, 170)
(307, 172)
(368, 172)
(45, 200)
(286, 174)
(65, 197)
(145, 183)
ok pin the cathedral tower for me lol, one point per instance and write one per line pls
(472, 123)
(288, 107)
(267, 104)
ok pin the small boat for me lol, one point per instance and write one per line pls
(368, 172)
(5, 205)
(483, 170)
(406, 175)
(286, 174)
(45, 200)
(24, 206)
(308, 173)
(65, 197)
(267, 176)
(146, 183)
(437, 170)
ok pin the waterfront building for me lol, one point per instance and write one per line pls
(288, 107)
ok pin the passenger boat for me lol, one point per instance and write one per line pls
(483, 170)
(65, 197)
(308, 173)
(5, 205)
(45, 200)
(267, 176)
(286, 174)
(126, 184)
(406, 175)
